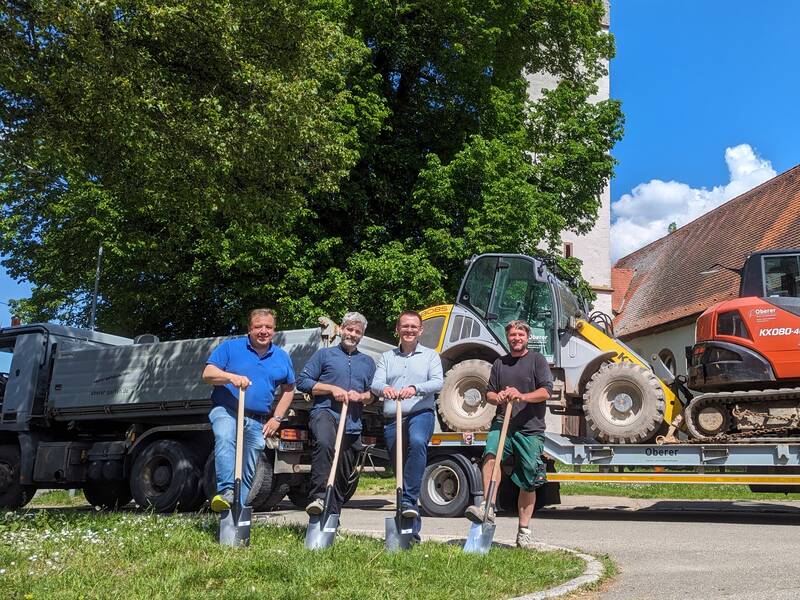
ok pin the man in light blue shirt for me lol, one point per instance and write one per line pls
(410, 374)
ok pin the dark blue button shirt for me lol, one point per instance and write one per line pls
(265, 373)
(334, 366)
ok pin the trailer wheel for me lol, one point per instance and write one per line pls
(624, 403)
(12, 493)
(108, 495)
(267, 489)
(462, 401)
(165, 477)
(445, 489)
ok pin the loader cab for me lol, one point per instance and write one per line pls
(771, 274)
(500, 288)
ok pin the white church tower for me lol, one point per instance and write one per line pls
(594, 248)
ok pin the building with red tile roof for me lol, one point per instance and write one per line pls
(661, 289)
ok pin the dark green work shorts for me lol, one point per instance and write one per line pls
(529, 469)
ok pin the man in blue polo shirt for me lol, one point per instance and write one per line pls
(255, 364)
(336, 376)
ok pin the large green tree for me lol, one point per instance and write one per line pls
(310, 156)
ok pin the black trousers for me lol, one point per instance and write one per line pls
(323, 428)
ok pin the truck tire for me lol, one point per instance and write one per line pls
(12, 493)
(624, 404)
(165, 477)
(299, 495)
(209, 480)
(352, 485)
(462, 401)
(108, 495)
(267, 489)
(445, 489)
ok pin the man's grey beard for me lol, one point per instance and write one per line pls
(349, 343)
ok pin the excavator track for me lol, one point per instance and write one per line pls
(723, 417)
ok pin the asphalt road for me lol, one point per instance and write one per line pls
(665, 549)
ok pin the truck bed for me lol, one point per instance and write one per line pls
(157, 378)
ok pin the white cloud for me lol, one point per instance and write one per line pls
(644, 215)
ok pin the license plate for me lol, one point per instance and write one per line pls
(290, 446)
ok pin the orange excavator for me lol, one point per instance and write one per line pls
(746, 359)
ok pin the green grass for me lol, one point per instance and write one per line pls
(58, 498)
(376, 484)
(89, 554)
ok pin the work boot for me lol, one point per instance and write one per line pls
(476, 514)
(222, 502)
(525, 539)
(315, 507)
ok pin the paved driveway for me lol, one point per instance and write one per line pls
(665, 549)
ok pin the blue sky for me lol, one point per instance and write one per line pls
(712, 103)
(697, 78)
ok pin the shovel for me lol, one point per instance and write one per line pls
(234, 526)
(321, 530)
(480, 537)
(399, 531)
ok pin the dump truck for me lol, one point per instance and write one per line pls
(126, 418)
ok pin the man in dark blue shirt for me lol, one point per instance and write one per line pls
(336, 376)
(255, 364)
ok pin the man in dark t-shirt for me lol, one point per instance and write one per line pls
(520, 381)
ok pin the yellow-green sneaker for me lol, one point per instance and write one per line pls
(222, 502)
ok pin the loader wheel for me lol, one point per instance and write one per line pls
(624, 403)
(462, 401)
(165, 477)
(12, 493)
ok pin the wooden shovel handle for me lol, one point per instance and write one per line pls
(338, 446)
(239, 436)
(502, 444)
(399, 443)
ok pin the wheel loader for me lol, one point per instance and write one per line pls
(746, 358)
(596, 375)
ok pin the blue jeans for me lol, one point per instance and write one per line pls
(223, 423)
(417, 432)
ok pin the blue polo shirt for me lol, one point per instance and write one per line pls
(334, 366)
(265, 373)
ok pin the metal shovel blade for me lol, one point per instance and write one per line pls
(398, 538)
(479, 540)
(321, 535)
(235, 532)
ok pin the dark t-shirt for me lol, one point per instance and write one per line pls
(526, 373)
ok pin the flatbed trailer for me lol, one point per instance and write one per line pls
(766, 465)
